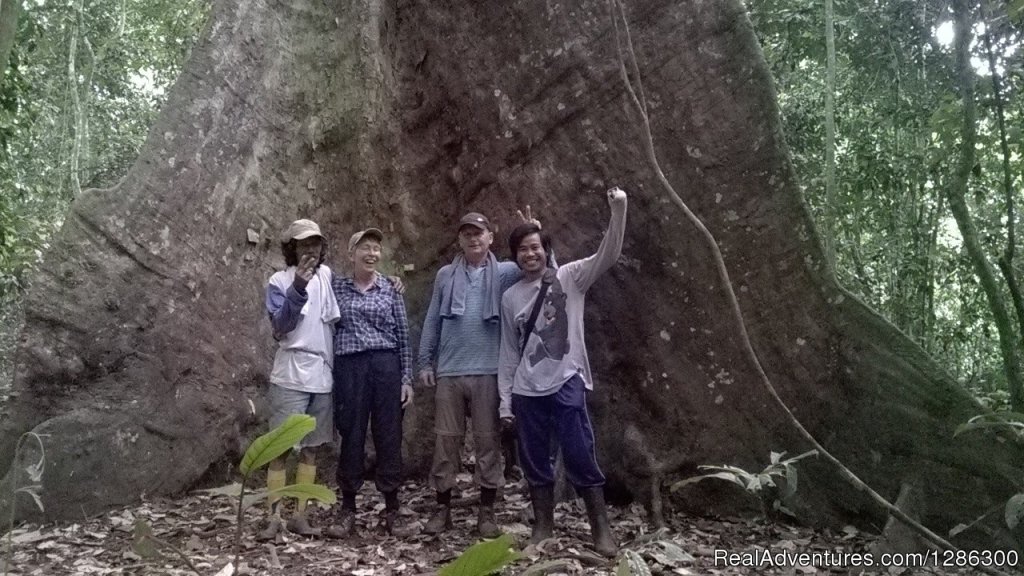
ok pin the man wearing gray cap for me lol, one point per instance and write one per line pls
(303, 313)
(459, 355)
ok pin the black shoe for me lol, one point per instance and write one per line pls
(543, 500)
(395, 525)
(486, 525)
(344, 524)
(270, 532)
(440, 521)
(597, 512)
(299, 525)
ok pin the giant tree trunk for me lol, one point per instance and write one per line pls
(146, 333)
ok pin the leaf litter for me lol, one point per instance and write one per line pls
(200, 526)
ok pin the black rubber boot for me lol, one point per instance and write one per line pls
(543, 500)
(597, 512)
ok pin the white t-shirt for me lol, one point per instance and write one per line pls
(306, 354)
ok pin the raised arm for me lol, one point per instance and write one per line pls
(584, 272)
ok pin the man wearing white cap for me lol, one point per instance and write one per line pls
(303, 312)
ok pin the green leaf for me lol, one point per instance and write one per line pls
(308, 491)
(34, 492)
(635, 564)
(35, 471)
(484, 558)
(622, 569)
(668, 553)
(142, 541)
(790, 482)
(729, 476)
(276, 442)
(1006, 420)
(1014, 510)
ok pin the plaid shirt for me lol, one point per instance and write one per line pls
(374, 320)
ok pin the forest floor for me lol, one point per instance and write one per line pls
(201, 527)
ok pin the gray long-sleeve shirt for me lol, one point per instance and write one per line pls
(556, 350)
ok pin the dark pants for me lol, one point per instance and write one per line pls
(563, 414)
(368, 390)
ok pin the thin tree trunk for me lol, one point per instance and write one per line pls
(831, 197)
(1005, 261)
(9, 12)
(956, 192)
(76, 146)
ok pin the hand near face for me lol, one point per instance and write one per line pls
(304, 272)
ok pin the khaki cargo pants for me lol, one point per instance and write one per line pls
(454, 395)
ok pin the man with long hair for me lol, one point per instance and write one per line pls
(303, 312)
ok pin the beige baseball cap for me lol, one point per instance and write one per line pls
(301, 229)
(358, 237)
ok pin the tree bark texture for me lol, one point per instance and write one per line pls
(146, 335)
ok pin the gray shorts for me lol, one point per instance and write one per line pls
(284, 402)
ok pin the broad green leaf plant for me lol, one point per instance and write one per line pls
(1013, 423)
(35, 477)
(756, 483)
(262, 452)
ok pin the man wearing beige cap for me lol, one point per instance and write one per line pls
(303, 313)
(459, 354)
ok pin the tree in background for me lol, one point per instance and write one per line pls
(80, 84)
(898, 245)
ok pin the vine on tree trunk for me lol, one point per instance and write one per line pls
(634, 90)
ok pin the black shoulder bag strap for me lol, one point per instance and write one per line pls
(545, 282)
